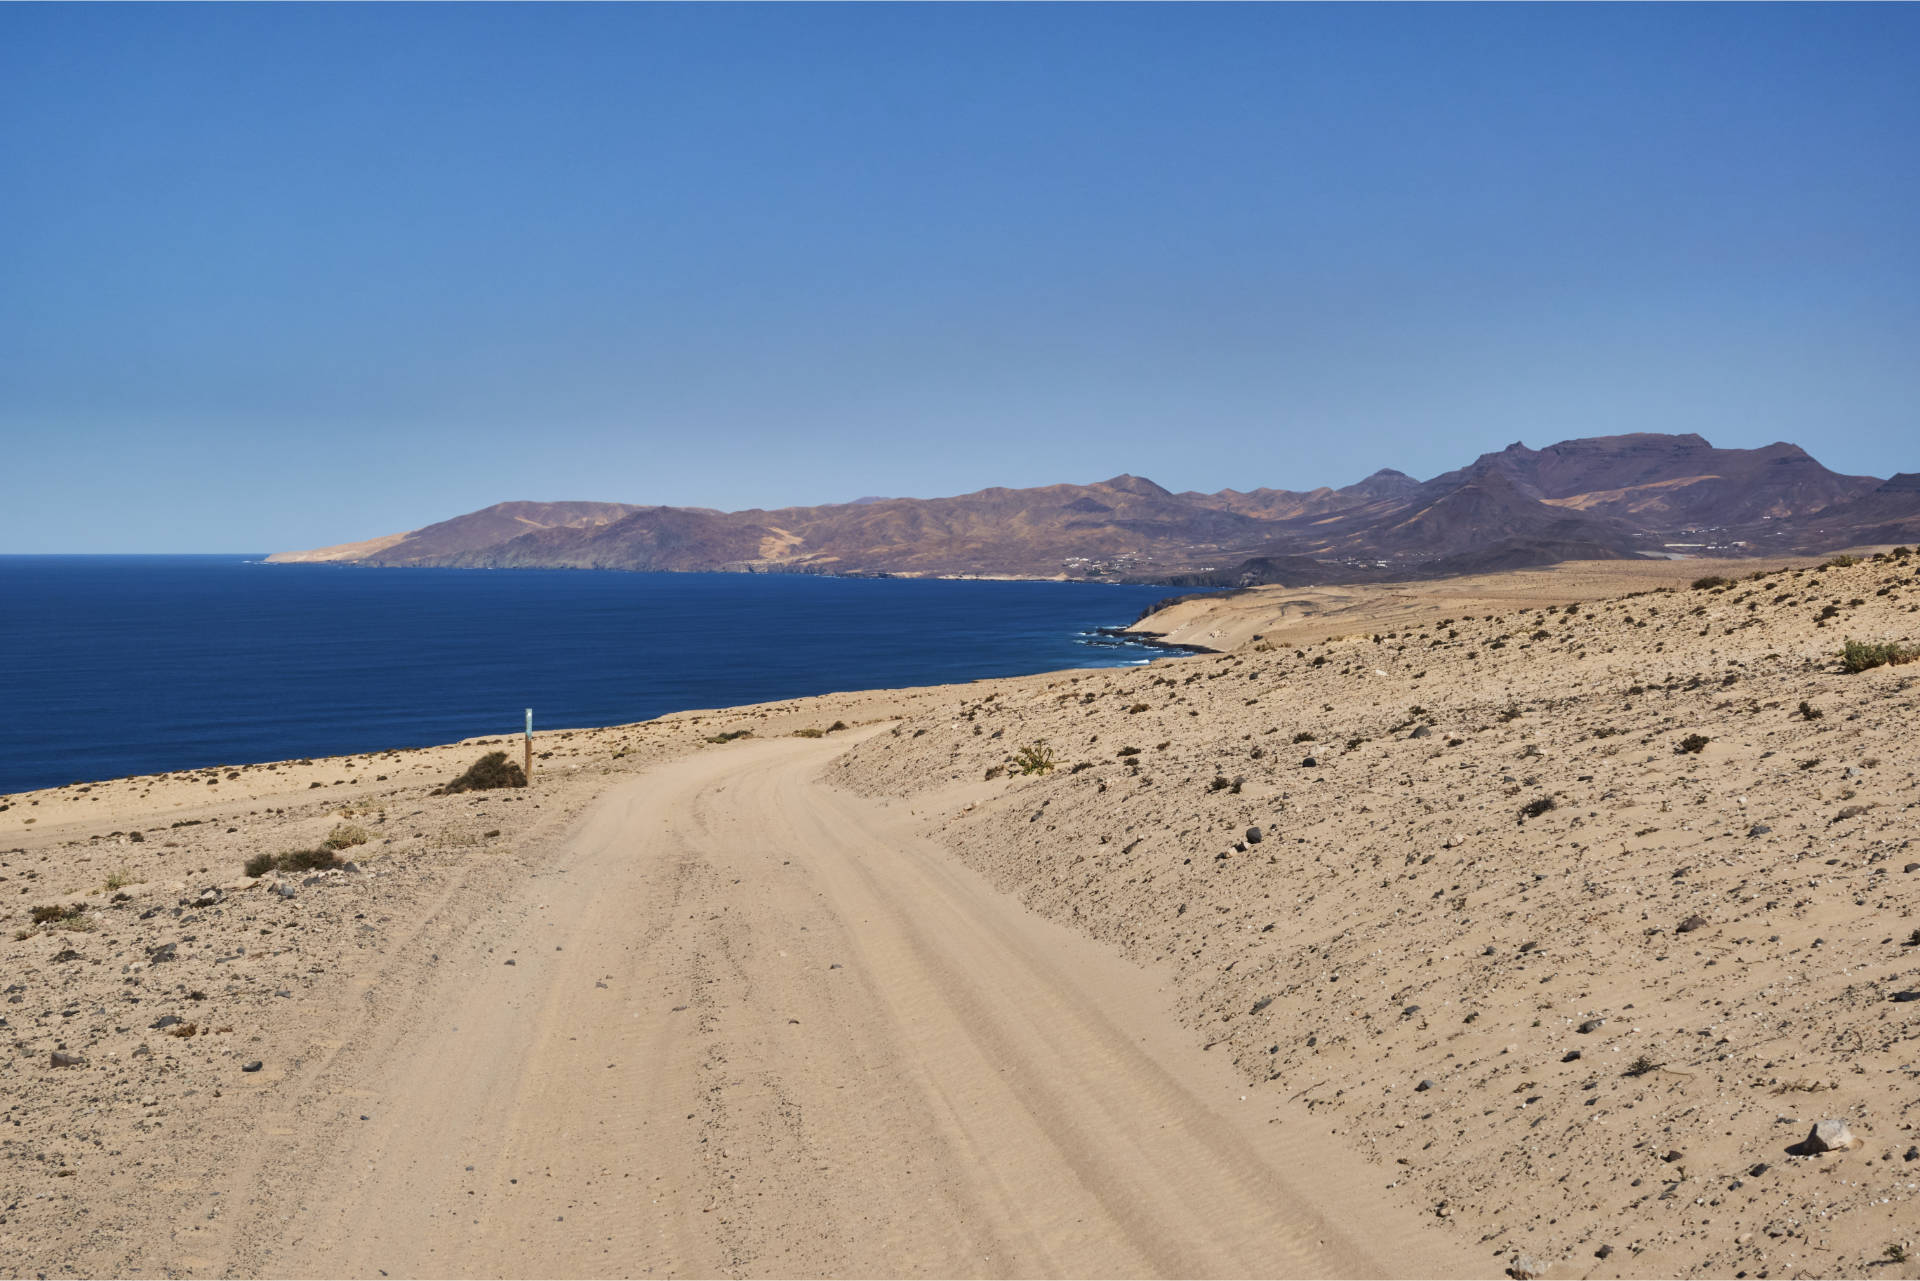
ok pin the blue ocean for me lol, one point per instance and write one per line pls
(115, 665)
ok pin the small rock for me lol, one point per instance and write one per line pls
(1691, 924)
(166, 1021)
(1570, 1056)
(1409, 1011)
(1309, 763)
(1830, 1135)
(1526, 1268)
(1591, 1025)
(1908, 995)
(1603, 1252)
(1255, 836)
(1425, 1085)
(1755, 1171)
(251, 1067)
(1759, 829)
(1420, 731)
(1672, 1156)
(1261, 1004)
(508, 961)
(165, 952)
(64, 1058)
(1911, 1154)
(281, 991)
(284, 889)
(1911, 867)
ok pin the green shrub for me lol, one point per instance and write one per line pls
(1034, 758)
(1858, 656)
(1841, 562)
(490, 771)
(1692, 743)
(729, 736)
(1535, 808)
(259, 865)
(1711, 581)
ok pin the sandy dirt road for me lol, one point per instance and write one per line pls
(747, 1024)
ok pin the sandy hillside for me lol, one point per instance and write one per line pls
(1576, 991)
(1400, 954)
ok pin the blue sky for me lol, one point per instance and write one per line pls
(276, 276)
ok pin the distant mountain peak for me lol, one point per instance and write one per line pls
(1131, 484)
(1602, 496)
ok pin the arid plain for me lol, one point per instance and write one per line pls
(1526, 922)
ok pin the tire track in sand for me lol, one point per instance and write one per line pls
(757, 1026)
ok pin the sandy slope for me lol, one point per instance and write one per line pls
(1082, 1023)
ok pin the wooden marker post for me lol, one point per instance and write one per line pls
(529, 748)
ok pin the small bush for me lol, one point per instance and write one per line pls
(1128, 751)
(1692, 743)
(1034, 758)
(490, 771)
(1304, 736)
(54, 913)
(1535, 808)
(259, 865)
(119, 878)
(1136, 709)
(1641, 1066)
(345, 835)
(1809, 712)
(1858, 656)
(729, 736)
(1841, 562)
(1512, 712)
(1711, 581)
(305, 860)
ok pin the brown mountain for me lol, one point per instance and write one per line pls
(1604, 497)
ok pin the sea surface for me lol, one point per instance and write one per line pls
(117, 665)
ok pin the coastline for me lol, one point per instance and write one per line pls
(1397, 972)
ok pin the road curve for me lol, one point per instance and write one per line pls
(746, 1024)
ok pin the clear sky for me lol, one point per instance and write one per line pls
(278, 276)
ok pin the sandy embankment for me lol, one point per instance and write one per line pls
(597, 1026)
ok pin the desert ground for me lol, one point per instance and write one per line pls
(1527, 923)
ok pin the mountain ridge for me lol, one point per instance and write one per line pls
(1607, 497)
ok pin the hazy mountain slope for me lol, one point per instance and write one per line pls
(1610, 496)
